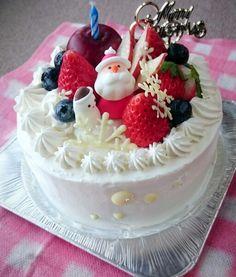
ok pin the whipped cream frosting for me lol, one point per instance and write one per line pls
(37, 75)
(206, 110)
(138, 159)
(54, 139)
(115, 161)
(69, 155)
(56, 50)
(29, 97)
(92, 163)
(177, 144)
(50, 100)
(193, 128)
(158, 154)
(33, 121)
(48, 141)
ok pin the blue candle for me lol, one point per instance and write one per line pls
(94, 21)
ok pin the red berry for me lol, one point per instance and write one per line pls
(174, 86)
(143, 125)
(190, 90)
(75, 72)
(156, 42)
(148, 38)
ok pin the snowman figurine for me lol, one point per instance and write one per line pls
(85, 108)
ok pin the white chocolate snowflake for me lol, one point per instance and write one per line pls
(152, 86)
(106, 134)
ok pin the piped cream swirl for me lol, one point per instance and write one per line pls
(193, 128)
(37, 76)
(55, 51)
(69, 155)
(47, 142)
(50, 100)
(207, 85)
(28, 98)
(206, 109)
(177, 144)
(33, 121)
(138, 159)
(92, 163)
(157, 154)
(115, 161)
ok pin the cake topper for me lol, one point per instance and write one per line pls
(114, 84)
(170, 23)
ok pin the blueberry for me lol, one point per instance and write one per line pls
(177, 53)
(64, 111)
(58, 59)
(181, 111)
(49, 78)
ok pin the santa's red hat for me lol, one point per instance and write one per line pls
(111, 57)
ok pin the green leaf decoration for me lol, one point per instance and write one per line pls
(173, 68)
(195, 76)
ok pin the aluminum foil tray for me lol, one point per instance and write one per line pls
(170, 252)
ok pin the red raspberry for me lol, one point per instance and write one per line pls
(143, 125)
(75, 72)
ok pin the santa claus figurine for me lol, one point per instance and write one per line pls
(114, 83)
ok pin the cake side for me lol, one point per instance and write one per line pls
(128, 205)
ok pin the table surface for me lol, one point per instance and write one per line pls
(24, 24)
(26, 250)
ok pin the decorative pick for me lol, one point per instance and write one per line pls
(170, 23)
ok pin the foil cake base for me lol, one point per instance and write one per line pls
(170, 252)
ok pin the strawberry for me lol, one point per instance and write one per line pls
(172, 80)
(153, 66)
(75, 72)
(192, 82)
(143, 125)
(150, 39)
(190, 90)
(126, 48)
(155, 41)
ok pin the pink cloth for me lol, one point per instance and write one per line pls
(26, 250)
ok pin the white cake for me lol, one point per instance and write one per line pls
(107, 184)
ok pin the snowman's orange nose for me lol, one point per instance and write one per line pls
(114, 68)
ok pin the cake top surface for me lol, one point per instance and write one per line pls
(107, 103)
